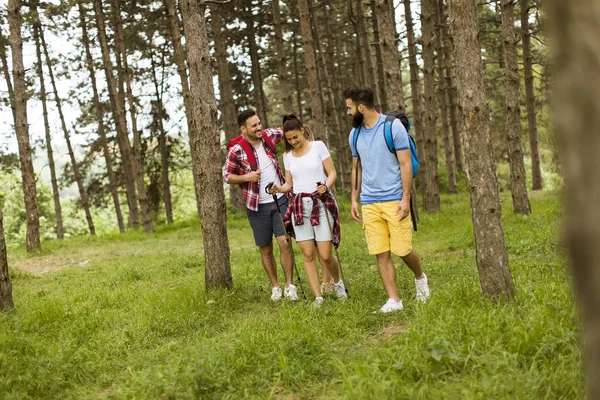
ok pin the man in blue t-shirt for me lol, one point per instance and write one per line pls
(385, 180)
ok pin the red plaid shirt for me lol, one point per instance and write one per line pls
(237, 163)
(297, 210)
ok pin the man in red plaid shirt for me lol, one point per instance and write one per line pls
(260, 205)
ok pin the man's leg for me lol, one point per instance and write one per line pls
(268, 262)
(387, 271)
(286, 259)
(413, 262)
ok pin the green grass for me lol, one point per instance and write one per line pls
(134, 321)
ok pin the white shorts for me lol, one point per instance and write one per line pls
(321, 232)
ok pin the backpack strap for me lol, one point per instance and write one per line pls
(354, 142)
(268, 141)
(387, 133)
(249, 152)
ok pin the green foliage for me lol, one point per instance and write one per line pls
(136, 322)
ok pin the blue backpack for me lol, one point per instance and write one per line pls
(390, 116)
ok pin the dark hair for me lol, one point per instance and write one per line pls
(243, 117)
(361, 95)
(292, 123)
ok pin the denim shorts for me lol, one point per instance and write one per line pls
(321, 232)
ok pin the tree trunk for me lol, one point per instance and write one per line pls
(442, 93)
(207, 149)
(431, 193)
(285, 93)
(371, 80)
(112, 181)
(5, 71)
(575, 28)
(513, 112)
(136, 159)
(311, 71)
(227, 104)
(6, 299)
(451, 88)
(415, 88)
(49, 152)
(185, 88)
(159, 114)
(392, 79)
(359, 59)
(379, 51)
(22, 127)
(119, 118)
(536, 170)
(82, 194)
(486, 212)
(300, 112)
(256, 79)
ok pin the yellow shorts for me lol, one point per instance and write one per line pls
(384, 231)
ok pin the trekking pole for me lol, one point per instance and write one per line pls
(335, 248)
(287, 239)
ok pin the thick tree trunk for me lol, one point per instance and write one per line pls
(513, 111)
(300, 111)
(227, 104)
(185, 87)
(78, 179)
(451, 88)
(431, 193)
(22, 128)
(6, 299)
(158, 112)
(119, 118)
(359, 68)
(536, 170)
(311, 71)
(442, 95)
(136, 159)
(112, 181)
(379, 52)
(575, 28)
(207, 149)
(415, 89)
(285, 93)
(392, 79)
(256, 79)
(371, 80)
(49, 152)
(486, 212)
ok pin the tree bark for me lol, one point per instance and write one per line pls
(371, 80)
(119, 118)
(431, 193)
(513, 111)
(6, 299)
(297, 79)
(22, 127)
(451, 88)
(112, 181)
(185, 87)
(311, 71)
(5, 71)
(392, 79)
(227, 103)
(536, 170)
(359, 59)
(82, 194)
(492, 260)
(256, 78)
(574, 30)
(415, 87)
(285, 93)
(136, 159)
(207, 149)
(442, 94)
(379, 51)
(49, 152)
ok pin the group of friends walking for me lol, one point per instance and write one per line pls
(381, 180)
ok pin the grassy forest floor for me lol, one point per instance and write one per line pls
(127, 316)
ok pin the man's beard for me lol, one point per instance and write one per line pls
(357, 119)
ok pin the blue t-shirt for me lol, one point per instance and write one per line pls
(380, 169)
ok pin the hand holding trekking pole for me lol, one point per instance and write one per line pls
(322, 188)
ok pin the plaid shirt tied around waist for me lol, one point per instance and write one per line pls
(296, 209)
(237, 163)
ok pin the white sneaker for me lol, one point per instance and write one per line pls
(318, 301)
(327, 288)
(422, 289)
(276, 293)
(340, 290)
(391, 305)
(291, 293)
